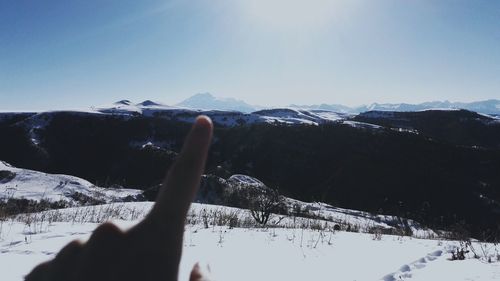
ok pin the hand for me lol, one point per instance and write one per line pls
(152, 249)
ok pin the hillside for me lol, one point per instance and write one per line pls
(18, 183)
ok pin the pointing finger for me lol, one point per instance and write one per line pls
(183, 178)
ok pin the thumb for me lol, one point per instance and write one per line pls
(200, 274)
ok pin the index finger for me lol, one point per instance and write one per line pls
(181, 184)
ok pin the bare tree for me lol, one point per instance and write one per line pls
(262, 202)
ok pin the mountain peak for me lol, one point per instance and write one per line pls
(123, 102)
(209, 101)
(148, 103)
(204, 95)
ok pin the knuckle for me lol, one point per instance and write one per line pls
(40, 273)
(70, 250)
(105, 234)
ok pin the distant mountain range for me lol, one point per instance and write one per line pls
(210, 102)
(486, 107)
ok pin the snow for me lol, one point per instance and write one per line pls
(363, 125)
(36, 122)
(227, 118)
(405, 130)
(152, 143)
(440, 109)
(33, 185)
(247, 180)
(299, 116)
(330, 115)
(287, 252)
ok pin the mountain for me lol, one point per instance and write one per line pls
(486, 107)
(208, 101)
(491, 107)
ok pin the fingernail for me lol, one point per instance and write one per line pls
(203, 119)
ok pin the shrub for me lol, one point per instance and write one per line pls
(6, 176)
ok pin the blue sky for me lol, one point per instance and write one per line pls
(57, 54)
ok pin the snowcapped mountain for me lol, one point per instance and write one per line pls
(210, 102)
(207, 101)
(486, 107)
(491, 107)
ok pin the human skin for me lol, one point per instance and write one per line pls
(152, 249)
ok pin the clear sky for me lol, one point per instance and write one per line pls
(57, 54)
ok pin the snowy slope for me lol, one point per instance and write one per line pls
(280, 253)
(299, 116)
(33, 185)
(343, 218)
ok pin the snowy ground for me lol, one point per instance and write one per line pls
(287, 252)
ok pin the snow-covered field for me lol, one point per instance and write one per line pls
(291, 250)
(232, 243)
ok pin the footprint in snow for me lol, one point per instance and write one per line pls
(25, 252)
(48, 253)
(405, 271)
(77, 233)
(405, 268)
(389, 277)
(12, 244)
(434, 255)
(437, 253)
(28, 232)
(52, 236)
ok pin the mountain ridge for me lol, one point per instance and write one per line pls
(211, 102)
(208, 101)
